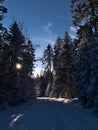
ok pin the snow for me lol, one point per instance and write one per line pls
(48, 114)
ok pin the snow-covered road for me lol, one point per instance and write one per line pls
(47, 114)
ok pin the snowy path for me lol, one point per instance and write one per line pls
(45, 114)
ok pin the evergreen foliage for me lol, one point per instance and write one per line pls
(47, 61)
(3, 44)
(41, 84)
(16, 49)
(48, 58)
(63, 68)
(87, 76)
(85, 12)
(85, 16)
(21, 52)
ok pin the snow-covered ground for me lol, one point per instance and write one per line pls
(48, 114)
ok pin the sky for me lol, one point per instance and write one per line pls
(43, 21)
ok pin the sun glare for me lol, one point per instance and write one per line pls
(36, 72)
(18, 66)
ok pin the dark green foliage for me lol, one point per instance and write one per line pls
(47, 61)
(41, 83)
(22, 51)
(85, 15)
(3, 11)
(3, 45)
(87, 76)
(16, 49)
(48, 58)
(56, 68)
(85, 12)
(85, 34)
(63, 68)
(23, 92)
(15, 84)
(57, 48)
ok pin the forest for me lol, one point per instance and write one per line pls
(70, 66)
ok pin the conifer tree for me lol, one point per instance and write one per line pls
(47, 61)
(47, 58)
(63, 79)
(3, 11)
(3, 46)
(85, 12)
(22, 51)
(85, 15)
(56, 68)
(57, 48)
(21, 63)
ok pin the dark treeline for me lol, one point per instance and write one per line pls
(71, 66)
(16, 63)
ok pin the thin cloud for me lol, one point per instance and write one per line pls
(48, 36)
(47, 28)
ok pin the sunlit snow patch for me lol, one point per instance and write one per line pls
(15, 119)
(64, 100)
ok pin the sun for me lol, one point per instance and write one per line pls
(18, 66)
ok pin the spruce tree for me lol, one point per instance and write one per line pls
(85, 12)
(3, 11)
(47, 61)
(85, 15)
(57, 48)
(63, 78)
(3, 46)
(22, 51)
(56, 68)
(21, 63)
(47, 58)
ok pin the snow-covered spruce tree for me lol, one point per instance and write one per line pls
(85, 12)
(85, 15)
(63, 67)
(47, 62)
(84, 34)
(21, 54)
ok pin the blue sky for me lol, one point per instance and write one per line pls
(43, 20)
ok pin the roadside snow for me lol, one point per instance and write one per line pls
(48, 114)
(59, 99)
